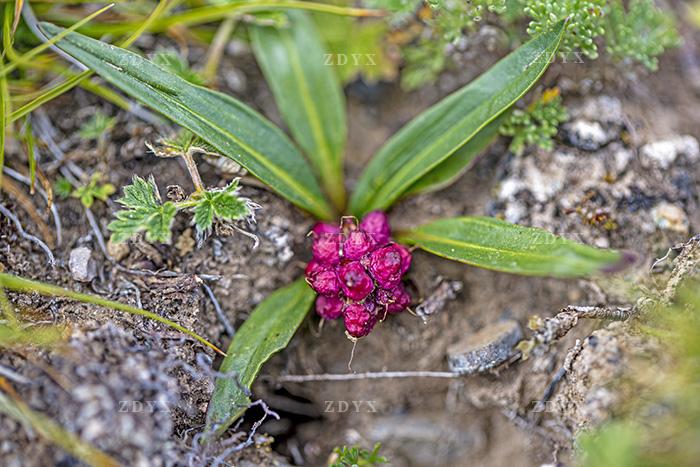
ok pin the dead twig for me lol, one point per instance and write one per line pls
(549, 330)
(228, 327)
(47, 197)
(20, 230)
(27, 204)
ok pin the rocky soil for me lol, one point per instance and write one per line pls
(624, 174)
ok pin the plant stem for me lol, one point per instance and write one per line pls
(194, 172)
(20, 284)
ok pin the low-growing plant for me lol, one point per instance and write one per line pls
(88, 192)
(144, 210)
(638, 33)
(97, 126)
(537, 124)
(356, 263)
(355, 456)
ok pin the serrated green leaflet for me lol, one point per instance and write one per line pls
(307, 93)
(145, 212)
(494, 244)
(458, 163)
(268, 330)
(435, 135)
(223, 204)
(234, 129)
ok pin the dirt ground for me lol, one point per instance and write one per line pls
(624, 174)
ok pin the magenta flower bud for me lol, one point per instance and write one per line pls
(325, 282)
(405, 258)
(386, 265)
(395, 300)
(326, 248)
(312, 268)
(329, 307)
(376, 224)
(322, 228)
(355, 281)
(357, 244)
(359, 319)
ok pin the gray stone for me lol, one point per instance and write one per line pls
(485, 350)
(663, 153)
(81, 264)
(588, 135)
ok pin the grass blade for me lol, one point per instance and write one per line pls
(4, 120)
(308, 95)
(19, 284)
(491, 243)
(79, 78)
(27, 57)
(233, 128)
(268, 330)
(212, 13)
(436, 134)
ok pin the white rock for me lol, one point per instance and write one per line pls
(587, 135)
(663, 153)
(82, 266)
(670, 217)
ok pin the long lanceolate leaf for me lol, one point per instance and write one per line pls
(307, 93)
(233, 128)
(459, 162)
(268, 330)
(494, 244)
(432, 137)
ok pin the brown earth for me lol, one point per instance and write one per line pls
(480, 420)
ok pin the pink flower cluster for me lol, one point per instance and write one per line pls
(357, 271)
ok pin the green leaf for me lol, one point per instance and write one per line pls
(234, 129)
(97, 126)
(436, 134)
(87, 193)
(224, 204)
(494, 244)
(63, 188)
(176, 64)
(458, 163)
(307, 93)
(144, 212)
(268, 330)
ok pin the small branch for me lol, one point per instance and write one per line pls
(550, 330)
(368, 375)
(219, 312)
(194, 172)
(18, 226)
(52, 206)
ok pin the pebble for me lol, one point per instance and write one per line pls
(587, 135)
(118, 251)
(81, 264)
(663, 153)
(485, 350)
(668, 216)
